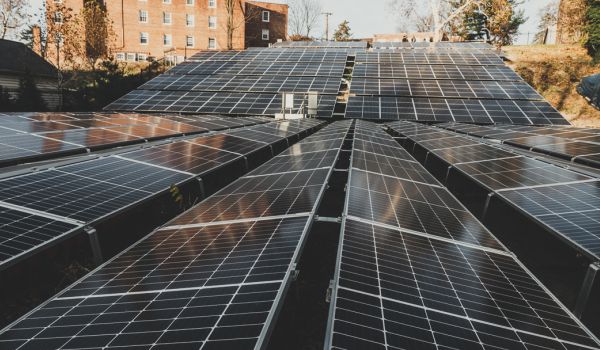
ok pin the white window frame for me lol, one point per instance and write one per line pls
(145, 17)
(268, 17)
(267, 36)
(209, 22)
(213, 40)
(169, 42)
(212, 4)
(190, 20)
(142, 35)
(169, 16)
(141, 57)
(120, 56)
(131, 57)
(193, 42)
(166, 2)
(189, 2)
(58, 17)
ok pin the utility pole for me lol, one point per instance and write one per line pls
(327, 14)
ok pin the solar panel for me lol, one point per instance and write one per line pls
(211, 102)
(21, 232)
(391, 166)
(518, 172)
(395, 290)
(260, 196)
(88, 191)
(229, 143)
(435, 72)
(444, 89)
(183, 156)
(26, 147)
(416, 207)
(287, 163)
(572, 210)
(239, 83)
(418, 57)
(209, 287)
(461, 110)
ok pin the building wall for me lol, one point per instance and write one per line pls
(127, 27)
(277, 25)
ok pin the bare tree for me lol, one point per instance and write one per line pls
(98, 32)
(13, 17)
(237, 16)
(435, 14)
(304, 17)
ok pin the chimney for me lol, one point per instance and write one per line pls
(37, 39)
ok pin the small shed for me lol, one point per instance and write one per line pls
(17, 60)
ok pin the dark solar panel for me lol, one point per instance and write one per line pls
(400, 291)
(229, 143)
(90, 190)
(298, 162)
(518, 172)
(183, 156)
(571, 210)
(391, 166)
(27, 146)
(22, 232)
(417, 207)
(213, 287)
(261, 196)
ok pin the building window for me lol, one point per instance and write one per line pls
(266, 16)
(212, 4)
(189, 41)
(167, 40)
(166, 1)
(120, 56)
(167, 18)
(212, 43)
(212, 22)
(143, 16)
(189, 2)
(58, 17)
(265, 34)
(130, 56)
(144, 38)
(141, 57)
(189, 20)
(58, 1)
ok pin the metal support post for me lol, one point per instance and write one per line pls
(95, 245)
(586, 289)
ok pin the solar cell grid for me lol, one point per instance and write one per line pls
(22, 232)
(400, 291)
(571, 210)
(27, 146)
(518, 172)
(390, 166)
(211, 312)
(90, 190)
(263, 196)
(183, 156)
(415, 207)
(229, 143)
(297, 162)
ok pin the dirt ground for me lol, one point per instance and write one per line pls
(555, 71)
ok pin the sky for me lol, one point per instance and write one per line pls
(368, 17)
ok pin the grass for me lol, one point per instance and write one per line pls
(554, 71)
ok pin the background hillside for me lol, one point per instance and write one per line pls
(555, 71)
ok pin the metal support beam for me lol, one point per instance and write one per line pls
(586, 289)
(327, 219)
(95, 245)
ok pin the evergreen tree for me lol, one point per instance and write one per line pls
(342, 33)
(593, 29)
(29, 96)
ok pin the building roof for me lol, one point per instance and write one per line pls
(16, 58)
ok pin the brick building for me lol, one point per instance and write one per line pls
(174, 29)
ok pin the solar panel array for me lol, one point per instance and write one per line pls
(242, 83)
(422, 45)
(563, 200)
(90, 191)
(200, 282)
(398, 287)
(451, 82)
(580, 145)
(321, 44)
(26, 137)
